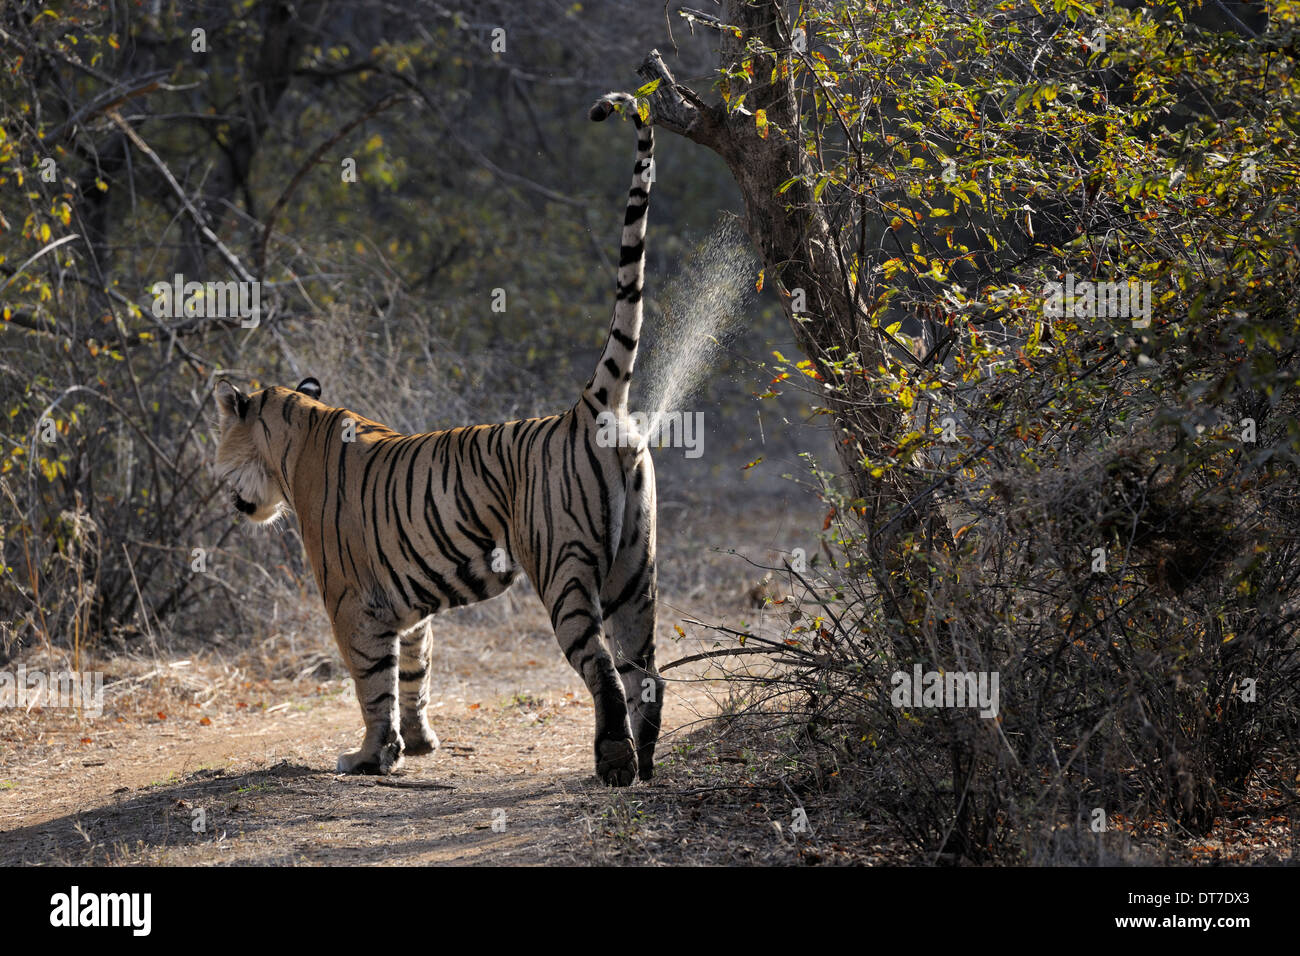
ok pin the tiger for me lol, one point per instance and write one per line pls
(399, 527)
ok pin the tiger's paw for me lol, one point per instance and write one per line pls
(420, 743)
(381, 764)
(615, 762)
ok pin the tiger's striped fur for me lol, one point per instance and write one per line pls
(398, 527)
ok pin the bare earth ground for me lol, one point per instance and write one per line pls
(226, 754)
(228, 758)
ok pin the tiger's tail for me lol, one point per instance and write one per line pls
(608, 386)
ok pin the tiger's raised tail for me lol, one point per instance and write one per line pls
(609, 383)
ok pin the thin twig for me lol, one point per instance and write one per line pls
(268, 224)
(231, 259)
(725, 652)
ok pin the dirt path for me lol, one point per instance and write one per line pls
(211, 761)
(252, 782)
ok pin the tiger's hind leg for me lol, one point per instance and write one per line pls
(370, 648)
(574, 605)
(629, 601)
(632, 630)
(416, 649)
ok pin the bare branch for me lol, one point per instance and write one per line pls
(231, 259)
(268, 224)
(679, 109)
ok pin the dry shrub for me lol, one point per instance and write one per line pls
(1149, 690)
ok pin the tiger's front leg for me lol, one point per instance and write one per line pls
(370, 651)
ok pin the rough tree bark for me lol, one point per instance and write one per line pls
(800, 250)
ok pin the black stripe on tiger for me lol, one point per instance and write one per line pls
(608, 387)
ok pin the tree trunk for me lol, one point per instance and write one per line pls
(801, 252)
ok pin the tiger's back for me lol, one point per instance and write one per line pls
(396, 519)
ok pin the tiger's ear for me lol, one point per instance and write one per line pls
(232, 402)
(310, 387)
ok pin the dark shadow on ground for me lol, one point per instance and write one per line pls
(290, 814)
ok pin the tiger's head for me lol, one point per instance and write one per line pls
(249, 424)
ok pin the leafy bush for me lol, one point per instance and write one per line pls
(1096, 508)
